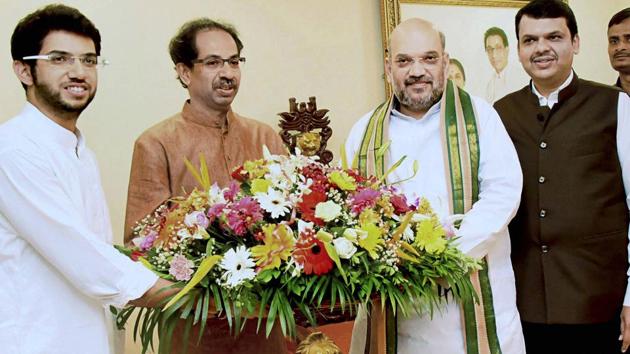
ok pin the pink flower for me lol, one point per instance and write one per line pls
(366, 198)
(181, 268)
(243, 214)
(215, 211)
(231, 191)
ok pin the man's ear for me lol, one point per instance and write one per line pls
(388, 69)
(23, 72)
(183, 72)
(576, 44)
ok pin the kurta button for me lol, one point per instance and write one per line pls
(542, 213)
(544, 248)
(543, 145)
(541, 179)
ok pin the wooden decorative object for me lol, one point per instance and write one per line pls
(306, 128)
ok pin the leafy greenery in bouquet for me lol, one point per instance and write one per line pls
(291, 234)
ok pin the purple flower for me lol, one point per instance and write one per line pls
(366, 198)
(196, 218)
(147, 241)
(181, 268)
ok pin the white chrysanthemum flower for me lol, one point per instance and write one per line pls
(238, 267)
(273, 202)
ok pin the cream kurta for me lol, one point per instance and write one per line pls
(158, 172)
(59, 271)
(483, 230)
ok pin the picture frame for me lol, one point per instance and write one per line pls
(465, 24)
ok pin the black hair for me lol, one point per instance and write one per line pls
(619, 17)
(548, 9)
(495, 31)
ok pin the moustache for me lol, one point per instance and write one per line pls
(224, 84)
(621, 55)
(544, 56)
(421, 79)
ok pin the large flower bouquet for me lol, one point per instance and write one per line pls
(291, 234)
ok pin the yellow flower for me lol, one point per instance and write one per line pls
(278, 246)
(430, 236)
(386, 206)
(260, 185)
(373, 240)
(369, 216)
(342, 180)
(256, 169)
(327, 211)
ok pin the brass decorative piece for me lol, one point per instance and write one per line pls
(307, 128)
(317, 343)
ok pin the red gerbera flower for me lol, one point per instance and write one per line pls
(311, 253)
(308, 204)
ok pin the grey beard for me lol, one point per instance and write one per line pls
(422, 104)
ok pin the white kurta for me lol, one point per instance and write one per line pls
(483, 231)
(512, 78)
(59, 271)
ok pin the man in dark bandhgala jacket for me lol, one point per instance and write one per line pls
(570, 234)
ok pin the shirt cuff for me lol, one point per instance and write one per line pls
(137, 280)
(626, 299)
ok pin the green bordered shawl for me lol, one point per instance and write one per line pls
(460, 143)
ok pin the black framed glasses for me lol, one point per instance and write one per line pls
(215, 62)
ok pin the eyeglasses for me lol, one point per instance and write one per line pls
(67, 59)
(215, 62)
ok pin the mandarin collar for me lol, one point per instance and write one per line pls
(561, 94)
(50, 132)
(190, 114)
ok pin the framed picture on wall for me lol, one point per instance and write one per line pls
(480, 39)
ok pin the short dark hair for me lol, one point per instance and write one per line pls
(28, 36)
(619, 17)
(548, 9)
(458, 64)
(182, 47)
(30, 32)
(495, 31)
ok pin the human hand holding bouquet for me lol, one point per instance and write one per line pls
(291, 234)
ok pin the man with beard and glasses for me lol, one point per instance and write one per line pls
(207, 58)
(570, 234)
(619, 47)
(422, 121)
(59, 271)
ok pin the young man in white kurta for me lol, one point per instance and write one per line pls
(59, 271)
(483, 231)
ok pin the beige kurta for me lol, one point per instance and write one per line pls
(158, 172)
